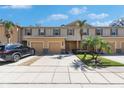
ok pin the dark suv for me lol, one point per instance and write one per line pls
(13, 52)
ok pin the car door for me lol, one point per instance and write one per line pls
(18, 48)
(25, 50)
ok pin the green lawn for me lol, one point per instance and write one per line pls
(105, 62)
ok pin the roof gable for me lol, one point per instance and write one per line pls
(76, 23)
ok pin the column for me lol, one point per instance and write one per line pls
(77, 42)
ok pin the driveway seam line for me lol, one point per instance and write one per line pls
(104, 77)
(118, 75)
(53, 75)
(87, 78)
(69, 75)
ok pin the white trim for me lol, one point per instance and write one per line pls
(41, 37)
(35, 42)
(111, 37)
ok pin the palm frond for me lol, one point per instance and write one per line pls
(82, 23)
(97, 43)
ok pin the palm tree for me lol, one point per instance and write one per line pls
(9, 25)
(81, 24)
(96, 45)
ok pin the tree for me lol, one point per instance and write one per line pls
(96, 45)
(81, 24)
(9, 25)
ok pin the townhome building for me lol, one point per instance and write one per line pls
(65, 37)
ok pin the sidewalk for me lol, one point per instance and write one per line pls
(116, 58)
(49, 71)
(60, 75)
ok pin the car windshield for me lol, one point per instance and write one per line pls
(2, 48)
(10, 47)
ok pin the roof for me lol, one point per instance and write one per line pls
(75, 23)
(118, 23)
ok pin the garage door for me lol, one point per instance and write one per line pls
(38, 46)
(55, 47)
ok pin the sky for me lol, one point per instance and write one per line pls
(56, 15)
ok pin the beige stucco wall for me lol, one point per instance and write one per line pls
(120, 31)
(76, 36)
(92, 31)
(117, 40)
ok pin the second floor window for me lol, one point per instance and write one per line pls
(56, 32)
(70, 32)
(114, 31)
(99, 31)
(86, 32)
(41, 31)
(28, 32)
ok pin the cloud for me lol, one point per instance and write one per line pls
(76, 11)
(57, 17)
(98, 23)
(16, 6)
(98, 16)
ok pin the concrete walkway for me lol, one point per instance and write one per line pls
(60, 71)
(116, 58)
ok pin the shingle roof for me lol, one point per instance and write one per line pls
(118, 23)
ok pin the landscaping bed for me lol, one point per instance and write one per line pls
(104, 62)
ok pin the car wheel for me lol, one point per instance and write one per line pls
(16, 57)
(32, 52)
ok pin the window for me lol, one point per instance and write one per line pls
(81, 31)
(99, 31)
(41, 31)
(10, 47)
(56, 32)
(70, 32)
(86, 32)
(28, 31)
(2, 48)
(114, 31)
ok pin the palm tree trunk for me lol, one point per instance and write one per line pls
(9, 40)
(81, 40)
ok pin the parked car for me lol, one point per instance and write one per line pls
(13, 52)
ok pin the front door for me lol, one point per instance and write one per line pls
(70, 45)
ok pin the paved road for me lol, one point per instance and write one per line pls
(116, 58)
(60, 71)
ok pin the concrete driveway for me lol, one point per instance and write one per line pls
(25, 61)
(60, 71)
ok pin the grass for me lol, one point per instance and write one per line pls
(105, 62)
